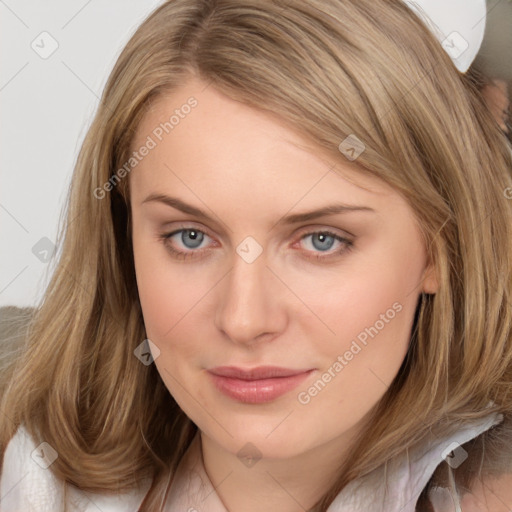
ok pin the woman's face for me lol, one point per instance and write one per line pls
(256, 281)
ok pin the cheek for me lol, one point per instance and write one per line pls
(356, 297)
(167, 300)
(167, 291)
(372, 326)
(157, 296)
(369, 309)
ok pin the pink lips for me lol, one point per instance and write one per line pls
(256, 385)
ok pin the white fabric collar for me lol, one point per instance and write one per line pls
(26, 485)
(406, 477)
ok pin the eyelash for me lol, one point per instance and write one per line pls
(184, 255)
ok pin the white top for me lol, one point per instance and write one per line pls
(27, 483)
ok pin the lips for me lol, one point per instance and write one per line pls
(256, 385)
(261, 372)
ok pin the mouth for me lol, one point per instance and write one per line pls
(257, 385)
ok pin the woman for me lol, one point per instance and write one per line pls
(209, 343)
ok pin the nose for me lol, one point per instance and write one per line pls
(251, 304)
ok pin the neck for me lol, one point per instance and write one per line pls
(293, 484)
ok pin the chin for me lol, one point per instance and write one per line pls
(261, 437)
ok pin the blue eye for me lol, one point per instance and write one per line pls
(326, 240)
(323, 241)
(192, 238)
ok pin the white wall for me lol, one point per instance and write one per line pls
(47, 103)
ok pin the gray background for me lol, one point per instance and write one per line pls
(48, 101)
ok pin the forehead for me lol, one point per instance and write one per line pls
(210, 140)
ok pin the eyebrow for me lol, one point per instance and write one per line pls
(294, 218)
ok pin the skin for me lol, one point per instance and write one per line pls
(248, 169)
(489, 495)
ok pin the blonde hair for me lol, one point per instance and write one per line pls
(330, 69)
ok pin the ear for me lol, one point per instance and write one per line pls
(430, 280)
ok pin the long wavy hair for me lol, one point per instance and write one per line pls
(330, 68)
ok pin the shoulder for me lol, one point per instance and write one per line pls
(483, 476)
(26, 482)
